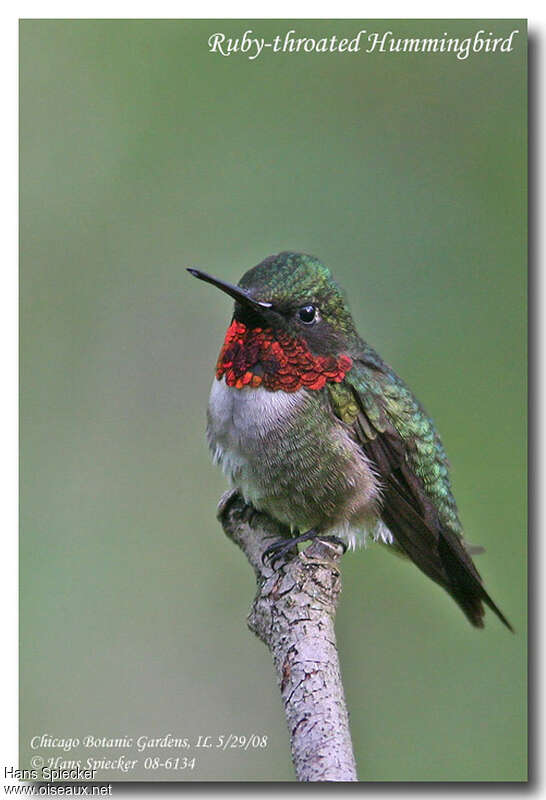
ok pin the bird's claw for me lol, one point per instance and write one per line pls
(276, 551)
(338, 542)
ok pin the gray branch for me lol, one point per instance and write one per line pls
(293, 614)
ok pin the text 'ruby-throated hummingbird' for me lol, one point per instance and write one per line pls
(313, 428)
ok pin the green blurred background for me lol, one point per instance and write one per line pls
(142, 153)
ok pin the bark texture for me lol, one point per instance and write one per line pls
(293, 614)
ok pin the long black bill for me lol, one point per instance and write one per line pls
(241, 295)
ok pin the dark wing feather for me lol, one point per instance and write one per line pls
(417, 504)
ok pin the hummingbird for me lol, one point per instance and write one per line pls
(313, 428)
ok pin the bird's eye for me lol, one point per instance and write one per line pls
(307, 314)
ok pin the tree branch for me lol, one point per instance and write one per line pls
(293, 614)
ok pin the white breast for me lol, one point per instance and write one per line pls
(258, 439)
(241, 421)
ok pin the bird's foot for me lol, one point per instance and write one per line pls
(279, 548)
(336, 541)
(332, 550)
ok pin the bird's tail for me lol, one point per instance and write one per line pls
(466, 586)
(440, 554)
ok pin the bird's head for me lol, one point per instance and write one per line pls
(292, 294)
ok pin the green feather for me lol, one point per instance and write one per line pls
(391, 407)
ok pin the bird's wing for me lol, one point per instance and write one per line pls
(418, 507)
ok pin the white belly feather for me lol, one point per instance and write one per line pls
(241, 423)
(239, 420)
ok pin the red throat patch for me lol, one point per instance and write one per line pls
(261, 357)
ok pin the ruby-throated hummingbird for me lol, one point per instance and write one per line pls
(313, 428)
